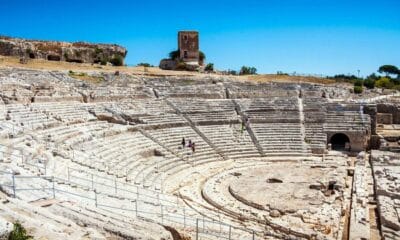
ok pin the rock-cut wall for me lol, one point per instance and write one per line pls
(80, 52)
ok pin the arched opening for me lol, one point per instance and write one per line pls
(32, 55)
(340, 142)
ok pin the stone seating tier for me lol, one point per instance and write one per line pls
(214, 117)
(196, 91)
(230, 140)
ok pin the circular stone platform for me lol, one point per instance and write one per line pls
(281, 187)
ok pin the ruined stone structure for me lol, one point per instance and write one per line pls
(80, 52)
(188, 46)
(189, 53)
(271, 160)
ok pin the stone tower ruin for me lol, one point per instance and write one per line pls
(188, 44)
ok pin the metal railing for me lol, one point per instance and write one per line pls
(140, 207)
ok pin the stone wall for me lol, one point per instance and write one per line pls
(371, 110)
(167, 64)
(79, 52)
(384, 118)
(188, 45)
(392, 109)
(358, 139)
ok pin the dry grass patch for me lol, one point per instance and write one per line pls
(40, 64)
(287, 78)
(85, 77)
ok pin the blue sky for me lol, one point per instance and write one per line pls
(303, 36)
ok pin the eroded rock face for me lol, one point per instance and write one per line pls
(80, 52)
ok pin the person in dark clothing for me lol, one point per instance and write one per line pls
(183, 142)
(193, 147)
(190, 143)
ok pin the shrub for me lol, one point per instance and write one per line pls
(358, 89)
(144, 65)
(103, 61)
(117, 60)
(98, 50)
(344, 78)
(281, 73)
(384, 82)
(248, 70)
(209, 67)
(358, 82)
(232, 72)
(18, 233)
(373, 76)
(369, 83)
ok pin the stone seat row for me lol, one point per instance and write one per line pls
(29, 118)
(66, 111)
(197, 91)
(280, 137)
(66, 133)
(172, 137)
(223, 117)
(230, 140)
(203, 105)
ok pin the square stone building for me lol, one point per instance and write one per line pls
(188, 44)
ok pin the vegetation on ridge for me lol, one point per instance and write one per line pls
(19, 233)
(85, 77)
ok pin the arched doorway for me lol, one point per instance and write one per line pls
(340, 141)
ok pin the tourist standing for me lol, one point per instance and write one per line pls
(193, 147)
(183, 142)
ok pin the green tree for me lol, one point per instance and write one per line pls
(373, 76)
(384, 82)
(389, 70)
(202, 57)
(248, 70)
(174, 55)
(209, 67)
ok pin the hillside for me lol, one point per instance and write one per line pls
(38, 64)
